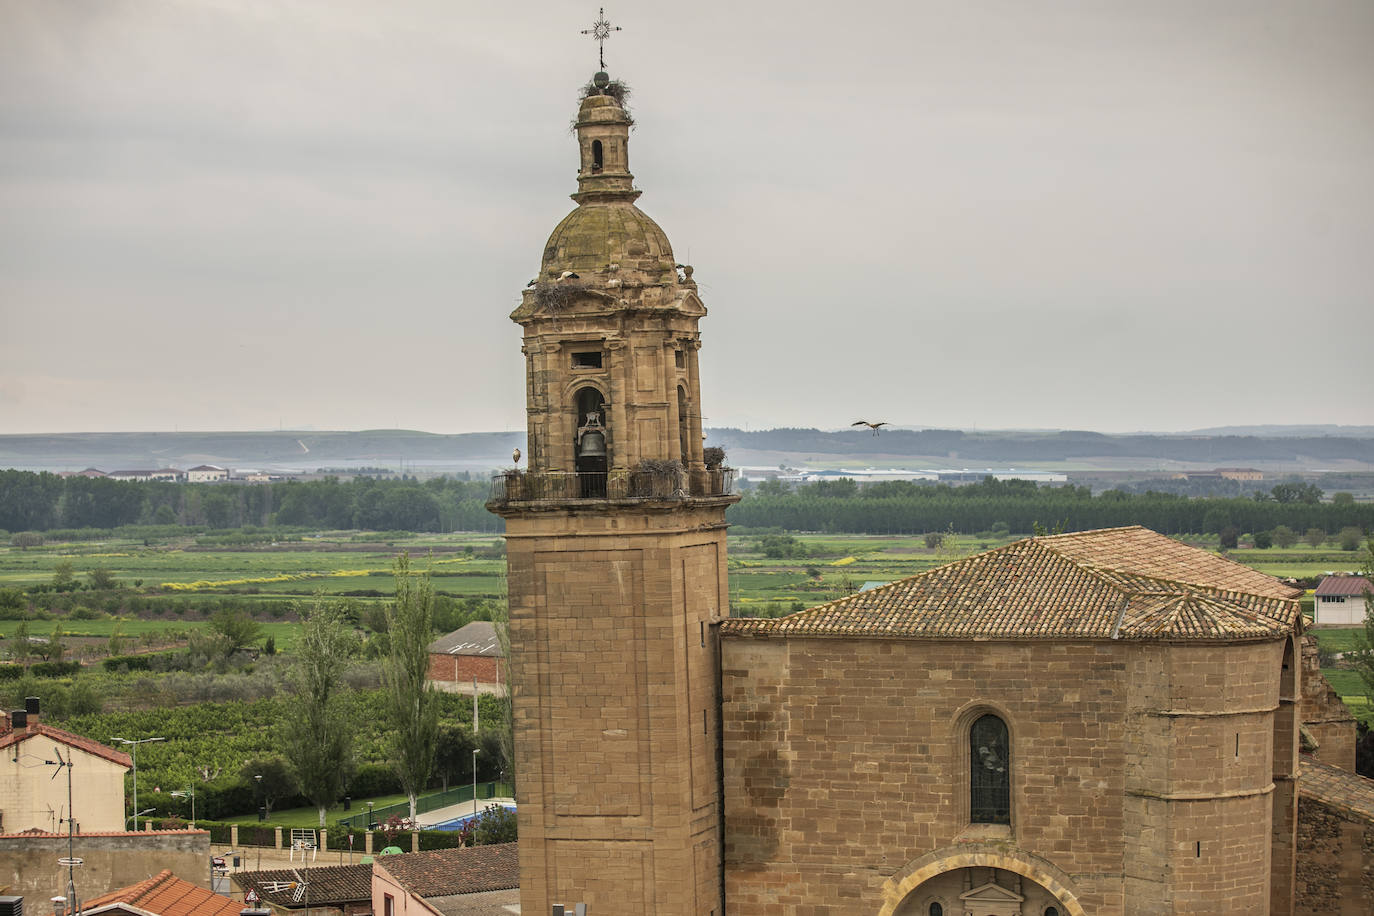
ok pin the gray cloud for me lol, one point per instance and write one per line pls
(1112, 216)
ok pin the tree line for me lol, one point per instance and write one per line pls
(32, 501)
(905, 507)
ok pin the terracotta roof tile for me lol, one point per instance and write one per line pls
(167, 895)
(1114, 583)
(1341, 789)
(76, 741)
(443, 872)
(329, 884)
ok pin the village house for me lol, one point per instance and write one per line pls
(471, 654)
(32, 753)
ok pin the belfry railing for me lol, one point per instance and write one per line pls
(522, 486)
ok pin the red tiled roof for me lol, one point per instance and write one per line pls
(1343, 585)
(167, 895)
(329, 885)
(442, 872)
(1114, 583)
(76, 741)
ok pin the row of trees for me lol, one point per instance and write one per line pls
(42, 502)
(319, 739)
(897, 507)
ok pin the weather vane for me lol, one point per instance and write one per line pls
(601, 30)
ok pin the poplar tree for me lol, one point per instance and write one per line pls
(321, 733)
(412, 702)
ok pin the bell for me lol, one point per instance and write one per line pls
(593, 444)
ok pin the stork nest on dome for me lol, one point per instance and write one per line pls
(555, 296)
(616, 89)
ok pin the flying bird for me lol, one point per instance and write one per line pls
(515, 456)
(872, 426)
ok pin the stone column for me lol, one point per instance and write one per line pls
(276, 837)
(367, 843)
(234, 836)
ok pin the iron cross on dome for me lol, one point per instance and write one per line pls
(601, 30)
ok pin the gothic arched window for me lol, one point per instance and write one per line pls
(1051, 911)
(597, 156)
(936, 910)
(990, 777)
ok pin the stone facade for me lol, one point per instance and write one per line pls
(1336, 842)
(846, 759)
(616, 551)
(28, 864)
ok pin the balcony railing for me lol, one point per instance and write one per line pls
(519, 486)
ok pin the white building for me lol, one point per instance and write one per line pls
(1340, 600)
(206, 473)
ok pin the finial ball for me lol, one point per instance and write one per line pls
(601, 79)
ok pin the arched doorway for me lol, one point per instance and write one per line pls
(979, 892)
(980, 879)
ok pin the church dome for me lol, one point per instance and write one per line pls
(597, 235)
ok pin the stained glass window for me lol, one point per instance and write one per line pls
(990, 781)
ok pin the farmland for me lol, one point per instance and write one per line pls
(156, 590)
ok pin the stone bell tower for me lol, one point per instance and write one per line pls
(616, 544)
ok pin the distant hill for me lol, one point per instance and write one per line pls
(304, 451)
(1352, 432)
(421, 451)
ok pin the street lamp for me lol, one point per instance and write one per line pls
(475, 752)
(257, 840)
(135, 817)
(188, 792)
(136, 742)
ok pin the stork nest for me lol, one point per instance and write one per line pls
(713, 456)
(553, 297)
(616, 89)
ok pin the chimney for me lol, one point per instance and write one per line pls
(19, 719)
(31, 707)
(59, 906)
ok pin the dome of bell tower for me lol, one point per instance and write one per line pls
(607, 228)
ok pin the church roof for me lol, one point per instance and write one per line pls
(1341, 789)
(1113, 583)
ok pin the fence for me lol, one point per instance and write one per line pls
(455, 796)
(636, 484)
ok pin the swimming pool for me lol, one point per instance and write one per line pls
(458, 823)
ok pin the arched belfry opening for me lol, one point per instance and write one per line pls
(590, 448)
(598, 156)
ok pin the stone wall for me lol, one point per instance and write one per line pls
(1324, 715)
(1335, 861)
(846, 759)
(110, 861)
(615, 686)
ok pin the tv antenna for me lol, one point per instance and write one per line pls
(600, 31)
(70, 860)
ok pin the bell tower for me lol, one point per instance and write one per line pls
(617, 566)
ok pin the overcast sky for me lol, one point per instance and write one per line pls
(253, 214)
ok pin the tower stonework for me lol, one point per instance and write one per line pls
(617, 562)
